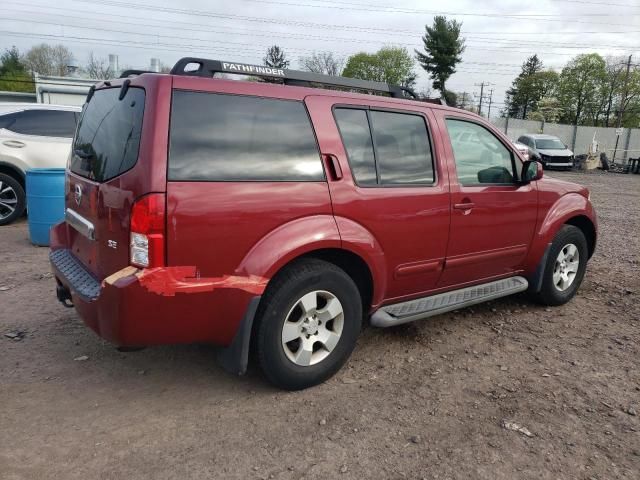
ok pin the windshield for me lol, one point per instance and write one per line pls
(549, 144)
(108, 136)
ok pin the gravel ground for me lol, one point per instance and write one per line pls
(427, 400)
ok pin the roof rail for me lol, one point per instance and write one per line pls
(128, 73)
(201, 67)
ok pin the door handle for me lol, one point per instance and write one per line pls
(333, 166)
(13, 143)
(464, 206)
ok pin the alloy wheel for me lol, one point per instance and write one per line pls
(8, 200)
(312, 328)
(566, 267)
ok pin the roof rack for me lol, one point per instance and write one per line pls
(201, 67)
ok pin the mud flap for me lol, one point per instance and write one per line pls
(535, 284)
(235, 358)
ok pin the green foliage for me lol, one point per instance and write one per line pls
(13, 73)
(529, 87)
(578, 87)
(389, 64)
(548, 110)
(443, 49)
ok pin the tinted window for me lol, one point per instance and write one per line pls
(523, 140)
(356, 137)
(7, 120)
(108, 137)
(402, 148)
(483, 160)
(228, 137)
(46, 123)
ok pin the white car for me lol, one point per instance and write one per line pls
(32, 135)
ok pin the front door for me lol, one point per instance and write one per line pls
(393, 187)
(493, 217)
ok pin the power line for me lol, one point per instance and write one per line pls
(385, 9)
(208, 13)
(173, 23)
(483, 40)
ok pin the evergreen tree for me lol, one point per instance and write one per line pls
(443, 48)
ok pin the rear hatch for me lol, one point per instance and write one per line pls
(102, 178)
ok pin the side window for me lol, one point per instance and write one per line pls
(45, 123)
(402, 148)
(523, 140)
(395, 146)
(217, 137)
(356, 137)
(483, 160)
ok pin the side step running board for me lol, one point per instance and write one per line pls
(405, 312)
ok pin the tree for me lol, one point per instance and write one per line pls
(322, 62)
(98, 68)
(532, 84)
(275, 58)
(443, 48)
(392, 65)
(610, 89)
(13, 73)
(578, 86)
(548, 110)
(46, 59)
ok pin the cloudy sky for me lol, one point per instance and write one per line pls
(499, 34)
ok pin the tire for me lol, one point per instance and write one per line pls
(13, 200)
(558, 287)
(290, 300)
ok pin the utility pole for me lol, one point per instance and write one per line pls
(481, 85)
(623, 100)
(490, 101)
(463, 103)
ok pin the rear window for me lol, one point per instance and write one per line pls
(217, 137)
(108, 137)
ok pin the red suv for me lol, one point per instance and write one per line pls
(279, 218)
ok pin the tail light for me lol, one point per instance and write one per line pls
(147, 231)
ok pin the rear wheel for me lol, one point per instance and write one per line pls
(308, 324)
(12, 199)
(565, 268)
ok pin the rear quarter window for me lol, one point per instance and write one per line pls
(218, 137)
(108, 137)
(43, 123)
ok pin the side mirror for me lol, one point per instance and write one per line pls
(531, 171)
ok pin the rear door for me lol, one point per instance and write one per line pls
(104, 179)
(493, 216)
(392, 186)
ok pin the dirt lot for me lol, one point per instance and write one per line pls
(427, 400)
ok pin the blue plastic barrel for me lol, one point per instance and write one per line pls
(45, 202)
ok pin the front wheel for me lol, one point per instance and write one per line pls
(308, 324)
(565, 267)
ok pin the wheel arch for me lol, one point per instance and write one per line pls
(14, 172)
(587, 227)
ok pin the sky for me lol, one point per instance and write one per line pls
(499, 35)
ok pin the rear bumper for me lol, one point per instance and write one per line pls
(140, 307)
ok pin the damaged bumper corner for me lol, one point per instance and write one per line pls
(170, 305)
